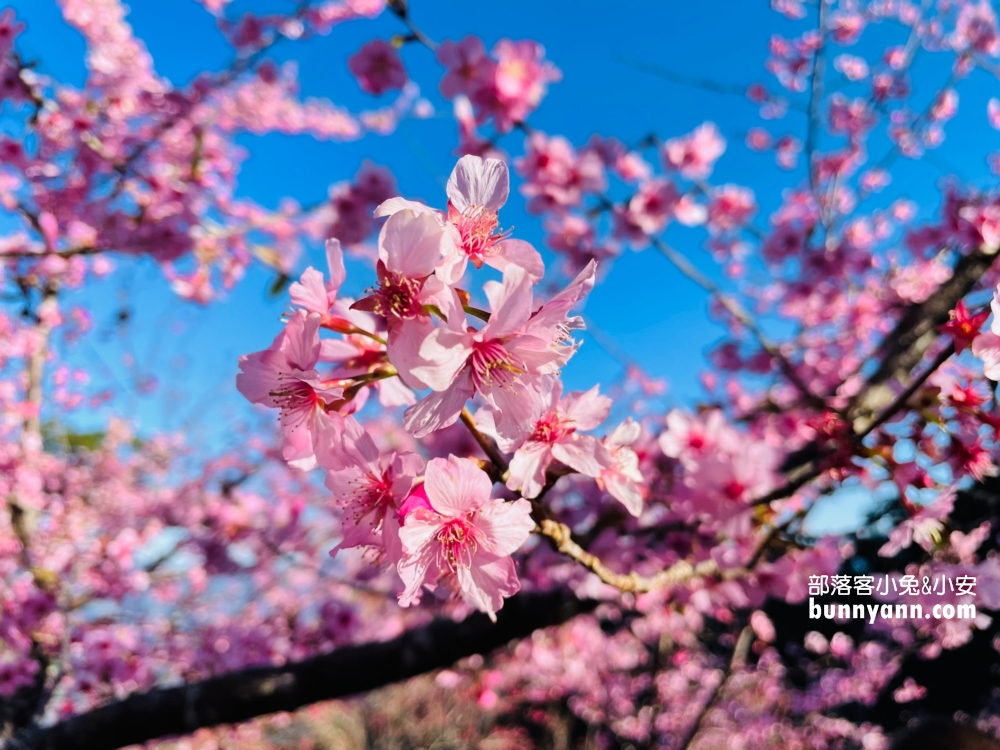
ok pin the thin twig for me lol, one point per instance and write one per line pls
(236, 69)
(705, 84)
(488, 446)
(71, 252)
(402, 12)
(736, 310)
(900, 401)
(816, 96)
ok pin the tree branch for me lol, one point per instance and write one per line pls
(916, 331)
(816, 97)
(249, 693)
(488, 446)
(678, 573)
(736, 662)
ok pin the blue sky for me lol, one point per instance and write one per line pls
(652, 313)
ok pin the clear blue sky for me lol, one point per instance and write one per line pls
(654, 314)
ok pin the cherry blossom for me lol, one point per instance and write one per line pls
(477, 189)
(377, 67)
(964, 327)
(371, 489)
(694, 155)
(503, 361)
(555, 437)
(623, 480)
(667, 592)
(465, 534)
(284, 377)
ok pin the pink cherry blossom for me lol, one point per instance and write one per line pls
(653, 205)
(854, 68)
(846, 27)
(986, 346)
(694, 155)
(993, 112)
(787, 151)
(730, 208)
(377, 67)
(557, 177)
(469, 139)
(311, 293)
(963, 327)
(9, 30)
(464, 535)
(623, 480)
(469, 67)
(507, 87)
(361, 353)
(503, 362)
(284, 377)
(411, 246)
(924, 527)
(689, 438)
(477, 189)
(371, 488)
(522, 78)
(976, 29)
(758, 139)
(555, 437)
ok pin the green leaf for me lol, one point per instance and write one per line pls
(477, 313)
(279, 285)
(435, 310)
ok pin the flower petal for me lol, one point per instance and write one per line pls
(585, 454)
(527, 468)
(456, 486)
(588, 409)
(518, 253)
(485, 584)
(438, 410)
(506, 526)
(395, 205)
(411, 243)
(478, 182)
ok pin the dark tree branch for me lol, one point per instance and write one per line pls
(904, 348)
(254, 692)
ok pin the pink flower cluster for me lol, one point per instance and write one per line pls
(504, 87)
(413, 332)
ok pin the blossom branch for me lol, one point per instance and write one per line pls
(680, 572)
(399, 7)
(736, 661)
(245, 694)
(900, 401)
(705, 84)
(69, 253)
(488, 446)
(915, 332)
(30, 699)
(234, 71)
(561, 537)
